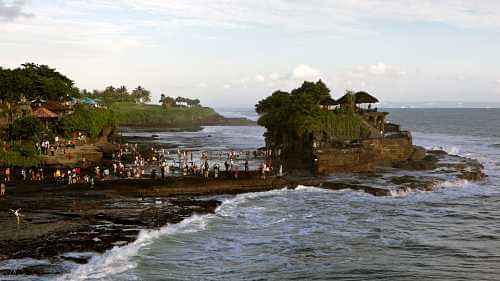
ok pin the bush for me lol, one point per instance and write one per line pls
(91, 121)
(26, 128)
(20, 156)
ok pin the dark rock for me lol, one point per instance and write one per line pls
(403, 179)
(437, 152)
(418, 154)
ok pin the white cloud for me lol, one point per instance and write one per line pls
(260, 78)
(274, 76)
(227, 86)
(11, 10)
(202, 85)
(305, 72)
(319, 15)
(498, 81)
(376, 70)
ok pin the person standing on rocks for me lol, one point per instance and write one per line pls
(7, 174)
(23, 174)
(2, 189)
(216, 171)
(205, 169)
(263, 170)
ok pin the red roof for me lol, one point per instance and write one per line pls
(44, 113)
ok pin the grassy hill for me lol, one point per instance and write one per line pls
(154, 116)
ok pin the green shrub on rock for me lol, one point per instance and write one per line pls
(89, 120)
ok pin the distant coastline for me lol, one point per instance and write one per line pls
(141, 117)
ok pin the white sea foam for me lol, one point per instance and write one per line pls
(310, 189)
(119, 259)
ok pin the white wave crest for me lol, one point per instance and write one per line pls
(310, 189)
(118, 259)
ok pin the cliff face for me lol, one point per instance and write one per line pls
(303, 155)
(368, 155)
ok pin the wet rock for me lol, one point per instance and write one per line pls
(35, 270)
(403, 179)
(428, 163)
(437, 152)
(418, 154)
(376, 191)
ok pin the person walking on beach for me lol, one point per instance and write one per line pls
(216, 171)
(246, 167)
(227, 166)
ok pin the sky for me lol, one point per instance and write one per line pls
(235, 52)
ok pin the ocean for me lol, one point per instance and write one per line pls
(452, 233)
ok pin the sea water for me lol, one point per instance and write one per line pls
(452, 233)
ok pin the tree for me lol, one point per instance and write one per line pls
(167, 102)
(26, 128)
(141, 95)
(35, 81)
(297, 115)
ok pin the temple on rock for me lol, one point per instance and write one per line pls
(309, 131)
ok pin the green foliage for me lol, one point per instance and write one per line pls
(35, 81)
(112, 95)
(91, 121)
(26, 128)
(141, 95)
(298, 113)
(339, 125)
(145, 115)
(20, 156)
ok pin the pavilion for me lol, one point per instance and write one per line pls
(45, 115)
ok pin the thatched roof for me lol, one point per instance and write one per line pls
(345, 98)
(328, 102)
(364, 97)
(44, 113)
(359, 97)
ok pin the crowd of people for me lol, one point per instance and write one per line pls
(59, 144)
(130, 162)
(162, 163)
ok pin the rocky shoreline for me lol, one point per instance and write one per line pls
(65, 219)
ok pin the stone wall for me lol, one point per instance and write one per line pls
(72, 157)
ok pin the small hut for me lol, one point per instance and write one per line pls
(364, 97)
(45, 115)
(365, 100)
(359, 99)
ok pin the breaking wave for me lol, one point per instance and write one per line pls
(120, 259)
